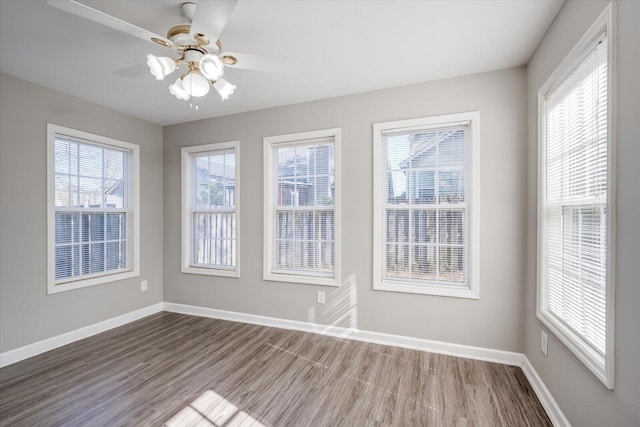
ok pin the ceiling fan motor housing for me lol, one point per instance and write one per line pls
(180, 35)
(193, 54)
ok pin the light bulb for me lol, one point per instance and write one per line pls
(195, 84)
(224, 88)
(211, 66)
(177, 90)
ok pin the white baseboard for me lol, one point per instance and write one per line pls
(440, 347)
(479, 353)
(548, 402)
(459, 350)
(21, 353)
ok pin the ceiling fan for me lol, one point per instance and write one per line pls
(197, 42)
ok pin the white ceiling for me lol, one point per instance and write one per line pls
(340, 47)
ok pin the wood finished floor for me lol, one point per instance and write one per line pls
(177, 370)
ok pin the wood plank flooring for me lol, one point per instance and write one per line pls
(176, 370)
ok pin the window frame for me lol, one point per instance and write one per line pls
(133, 217)
(270, 143)
(380, 283)
(601, 367)
(187, 154)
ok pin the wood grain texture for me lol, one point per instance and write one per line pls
(177, 370)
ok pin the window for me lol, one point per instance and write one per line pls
(93, 209)
(302, 207)
(425, 205)
(575, 285)
(210, 203)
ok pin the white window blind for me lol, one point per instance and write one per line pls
(575, 203)
(302, 208)
(210, 211)
(214, 209)
(92, 209)
(424, 192)
(576, 206)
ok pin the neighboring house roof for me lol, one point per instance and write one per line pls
(425, 144)
(217, 171)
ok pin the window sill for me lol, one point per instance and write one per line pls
(53, 288)
(210, 271)
(302, 279)
(426, 289)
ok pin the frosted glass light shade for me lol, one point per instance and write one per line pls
(224, 88)
(211, 66)
(160, 67)
(195, 84)
(178, 91)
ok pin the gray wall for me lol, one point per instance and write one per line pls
(583, 398)
(495, 321)
(27, 313)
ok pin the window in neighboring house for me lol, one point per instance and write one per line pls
(210, 209)
(301, 207)
(575, 285)
(93, 209)
(425, 211)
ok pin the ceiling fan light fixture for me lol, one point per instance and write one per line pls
(160, 67)
(195, 84)
(196, 40)
(211, 66)
(177, 90)
(224, 88)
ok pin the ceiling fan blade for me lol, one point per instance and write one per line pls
(272, 64)
(79, 9)
(211, 17)
(133, 71)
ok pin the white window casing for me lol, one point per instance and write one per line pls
(426, 186)
(211, 209)
(576, 199)
(302, 208)
(93, 209)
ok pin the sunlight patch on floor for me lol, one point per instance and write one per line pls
(211, 409)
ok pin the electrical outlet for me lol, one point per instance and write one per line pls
(543, 342)
(143, 286)
(320, 297)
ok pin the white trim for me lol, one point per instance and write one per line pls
(255, 319)
(544, 395)
(425, 289)
(186, 188)
(133, 269)
(379, 180)
(612, 129)
(458, 350)
(300, 277)
(30, 350)
(601, 367)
